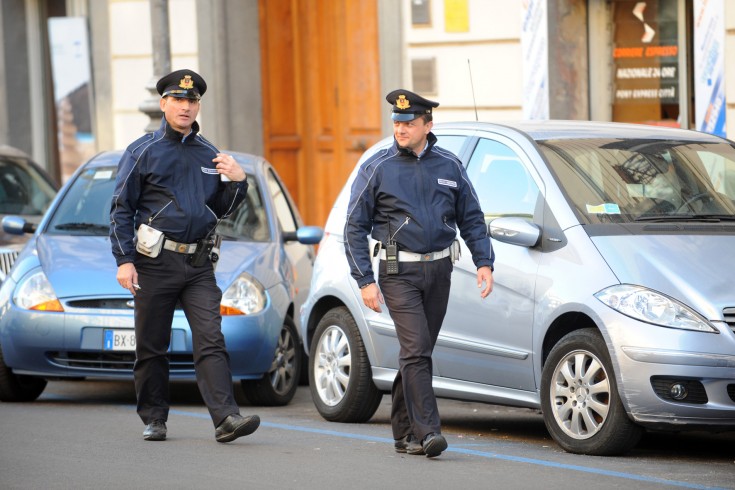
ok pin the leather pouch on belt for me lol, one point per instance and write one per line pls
(150, 241)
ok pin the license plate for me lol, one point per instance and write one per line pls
(123, 340)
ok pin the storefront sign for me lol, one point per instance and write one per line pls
(646, 62)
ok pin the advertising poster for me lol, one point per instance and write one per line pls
(646, 62)
(709, 66)
(534, 35)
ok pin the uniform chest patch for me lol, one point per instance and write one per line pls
(449, 183)
(210, 171)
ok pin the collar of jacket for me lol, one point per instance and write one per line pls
(171, 133)
(430, 138)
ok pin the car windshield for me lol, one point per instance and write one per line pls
(85, 209)
(22, 189)
(624, 181)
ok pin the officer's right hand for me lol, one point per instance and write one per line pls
(372, 297)
(127, 277)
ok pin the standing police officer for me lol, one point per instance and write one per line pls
(411, 198)
(176, 182)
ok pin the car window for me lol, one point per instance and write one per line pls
(22, 189)
(450, 142)
(249, 222)
(612, 180)
(502, 183)
(85, 207)
(284, 213)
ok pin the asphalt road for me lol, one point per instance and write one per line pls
(87, 435)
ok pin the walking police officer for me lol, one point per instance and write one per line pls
(173, 186)
(412, 197)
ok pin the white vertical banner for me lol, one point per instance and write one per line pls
(534, 44)
(709, 66)
(71, 71)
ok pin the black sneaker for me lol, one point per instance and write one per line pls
(408, 444)
(155, 431)
(434, 444)
(235, 426)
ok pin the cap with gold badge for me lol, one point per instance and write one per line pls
(407, 105)
(182, 83)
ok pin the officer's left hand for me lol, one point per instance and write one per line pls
(227, 166)
(485, 275)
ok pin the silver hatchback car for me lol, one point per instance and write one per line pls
(614, 305)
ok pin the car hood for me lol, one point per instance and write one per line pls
(694, 269)
(84, 265)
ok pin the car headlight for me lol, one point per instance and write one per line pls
(652, 307)
(34, 292)
(245, 296)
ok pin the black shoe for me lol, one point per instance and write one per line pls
(155, 431)
(235, 426)
(434, 444)
(408, 444)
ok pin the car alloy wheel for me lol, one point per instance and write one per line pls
(340, 377)
(579, 398)
(278, 386)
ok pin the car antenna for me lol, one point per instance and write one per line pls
(472, 85)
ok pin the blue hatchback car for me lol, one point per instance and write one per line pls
(63, 314)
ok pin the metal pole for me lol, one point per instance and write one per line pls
(161, 61)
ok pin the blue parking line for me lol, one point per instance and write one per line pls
(482, 454)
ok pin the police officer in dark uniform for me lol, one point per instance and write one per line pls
(176, 182)
(412, 197)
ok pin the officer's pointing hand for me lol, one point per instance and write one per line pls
(227, 166)
(372, 297)
(485, 275)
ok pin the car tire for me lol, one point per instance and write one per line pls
(18, 388)
(580, 401)
(278, 386)
(340, 378)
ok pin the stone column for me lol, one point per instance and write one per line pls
(161, 61)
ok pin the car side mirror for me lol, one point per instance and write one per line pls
(516, 231)
(306, 235)
(15, 225)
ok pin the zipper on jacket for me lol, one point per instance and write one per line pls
(405, 222)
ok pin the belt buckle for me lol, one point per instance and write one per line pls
(427, 257)
(182, 248)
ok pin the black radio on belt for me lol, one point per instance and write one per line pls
(391, 257)
(201, 254)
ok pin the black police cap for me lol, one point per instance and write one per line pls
(407, 105)
(182, 83)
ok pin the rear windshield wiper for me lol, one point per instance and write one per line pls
(83, 226)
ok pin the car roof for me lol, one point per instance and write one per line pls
(560, 129)
(10, 151)
(107, 158)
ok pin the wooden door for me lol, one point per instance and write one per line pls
(321, 94)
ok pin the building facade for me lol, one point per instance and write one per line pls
(302, 82)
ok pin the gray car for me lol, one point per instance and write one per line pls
(26, 190)
(613, 308)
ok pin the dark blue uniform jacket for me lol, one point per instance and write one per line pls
(419, 200)
(169, 182)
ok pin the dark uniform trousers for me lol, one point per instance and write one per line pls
(417, 300)
(164, 281)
